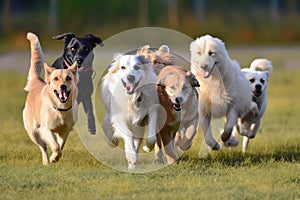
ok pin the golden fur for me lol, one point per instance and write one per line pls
(51, 107)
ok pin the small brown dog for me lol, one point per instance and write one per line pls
(51, 108)
(177, 94)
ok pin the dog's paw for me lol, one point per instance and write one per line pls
(55, 156)
(131, 166)
(92, 131)
(216, 147)
(232, 142)
(147, 149)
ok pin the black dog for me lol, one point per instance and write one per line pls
(80, 50)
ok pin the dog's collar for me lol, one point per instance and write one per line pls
(62, 109)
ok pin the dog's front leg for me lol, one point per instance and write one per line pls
(130, 151)
(184, 137)
(152, 128)
(205, 126)
(51, 140)
(231, 120)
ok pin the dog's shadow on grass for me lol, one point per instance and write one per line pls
(236, 158)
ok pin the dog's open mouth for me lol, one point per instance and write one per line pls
(205, 73)
(176, 106)
(62, 95)
(257, 93)
(129, 86)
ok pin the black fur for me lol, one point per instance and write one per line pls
(80, 49)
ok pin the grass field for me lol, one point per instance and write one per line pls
(269, 170)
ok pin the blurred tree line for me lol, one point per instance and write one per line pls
(247, 21)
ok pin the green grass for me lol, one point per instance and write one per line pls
(269, 170)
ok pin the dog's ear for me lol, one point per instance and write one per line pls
(48, 72)
(144, 60)
(95, 40)
(192, 79)
(144, 49)
(73, 69)
(164, 48)
(66, 37)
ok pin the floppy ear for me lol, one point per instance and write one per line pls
(192, 79)
(164, 48)
(48, 72)
(161, 82)
(96, 40)
(144, 49)
(66, 36)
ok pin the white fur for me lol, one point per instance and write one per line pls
(224, 90)
(127, 107)
(258, 80)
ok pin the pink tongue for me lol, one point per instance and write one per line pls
(62, 95)
(204, 73)
(129, 87)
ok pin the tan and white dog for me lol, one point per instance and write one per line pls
(177, 94)
(224, 90)
(51, 108)
(129, 97)
(258, 77)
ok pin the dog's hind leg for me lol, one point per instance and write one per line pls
(88, 109)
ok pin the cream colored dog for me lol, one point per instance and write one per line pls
(129, 97)
(51, 108)
(258, 77)
(224, 90)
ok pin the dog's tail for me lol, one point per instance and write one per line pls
(36, 63)
(262, 64)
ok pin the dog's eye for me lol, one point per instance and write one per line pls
(55, 78)
(73, 49)
(262, 81)
(210, 53)
(68, 78)
(252, 80)
(123, 67)
(136, 67)
(156, 62)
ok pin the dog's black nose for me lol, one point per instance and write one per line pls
(258, 87)
(178, 100)
(79, 61)
(130, 78)
(63, 87)
(203, 66)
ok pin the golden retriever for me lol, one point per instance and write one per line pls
(51, 108)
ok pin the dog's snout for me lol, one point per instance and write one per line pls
(79, 60)
(130, 78)
(179, 100)
(258, 87)
(203, 66)
(63, 87)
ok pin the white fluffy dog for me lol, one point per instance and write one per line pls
(258, 80)
(224, 90)
(129, 96)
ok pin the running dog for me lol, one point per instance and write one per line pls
(177, 94)
(129, 97)
(258, 77)
(80, 50)
(51, 107)
(224, 89)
